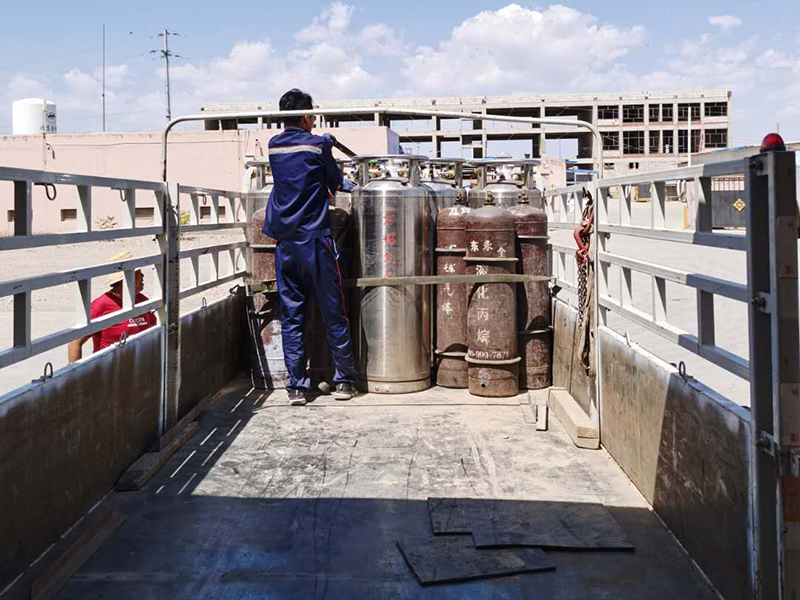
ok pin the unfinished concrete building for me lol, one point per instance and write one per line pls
(643, 131)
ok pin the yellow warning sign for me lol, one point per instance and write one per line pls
(739, 204)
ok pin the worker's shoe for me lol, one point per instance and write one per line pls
(297, 396)
(344, 391)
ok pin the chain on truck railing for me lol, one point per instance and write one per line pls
(564, 208)
(699, 177)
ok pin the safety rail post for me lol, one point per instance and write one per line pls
(169, 242)
(772, 232)
(23, 208)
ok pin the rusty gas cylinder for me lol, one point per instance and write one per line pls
(315, 336)
(451, 298)
(262, 250)
(492, 310)
(533, 297)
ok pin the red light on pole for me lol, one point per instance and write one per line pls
(772, 142)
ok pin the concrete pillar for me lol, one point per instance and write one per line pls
(484, 135)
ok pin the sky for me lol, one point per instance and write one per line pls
(255, 50)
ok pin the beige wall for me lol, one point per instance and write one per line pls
(213, 159)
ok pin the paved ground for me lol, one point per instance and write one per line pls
(272, 501)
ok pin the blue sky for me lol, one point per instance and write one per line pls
(252, 50)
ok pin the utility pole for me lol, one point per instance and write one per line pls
(166, 55)
(104, 77)
(166, 59)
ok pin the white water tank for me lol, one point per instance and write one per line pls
(32, 116)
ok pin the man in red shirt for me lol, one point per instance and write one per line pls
(111, 302)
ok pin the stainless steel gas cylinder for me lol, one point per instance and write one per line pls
(511, 179)
(533, 298)
(451, 298)
(492, 311)
(444, 177)
(392, 235)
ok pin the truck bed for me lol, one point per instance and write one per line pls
(273, 501)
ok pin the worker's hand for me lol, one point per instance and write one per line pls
(347, 186)
(328, 137)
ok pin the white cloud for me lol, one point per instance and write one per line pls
(511, 50)
(334, 20)
(520, 49)
(725, 22)
(381, 39)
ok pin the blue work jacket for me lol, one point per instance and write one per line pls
(304, 173)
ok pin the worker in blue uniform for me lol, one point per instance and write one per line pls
(306, 258)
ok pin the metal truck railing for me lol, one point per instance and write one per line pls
(23, 345)
(769, 249)
(228, 260)
(621, 301)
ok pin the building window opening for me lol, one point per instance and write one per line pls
(145, 214)
(11, 216)
(608, 112)
(610, 140)
(69, 214)
(633, 113)
(716, 109)
(716, 138)
(695, 140)
(205, 212)
(633, 166)
(684, 110)
(667, 114)
(667, 142)
(633, 142)
(654, 142)
(609, 166)
(655, 113)
(683, 142)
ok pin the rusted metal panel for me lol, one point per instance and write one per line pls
(492, 311)
(451, 298)
(261, 249)
(533, 298)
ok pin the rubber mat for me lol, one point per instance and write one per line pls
(454, 558)
(553, 525)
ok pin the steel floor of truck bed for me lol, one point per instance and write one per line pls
(273, 501)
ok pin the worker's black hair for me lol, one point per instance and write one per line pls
(295, 99)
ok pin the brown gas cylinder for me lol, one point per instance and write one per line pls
(533, 297)
(451, 298)
(492, 311)
(261, 249)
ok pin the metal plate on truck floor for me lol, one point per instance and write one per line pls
(454, 558)
(553, 525)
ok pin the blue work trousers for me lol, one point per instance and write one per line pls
(306, 269)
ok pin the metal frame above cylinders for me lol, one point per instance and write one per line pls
(458, 168)
(414, 171)
(282, 114)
